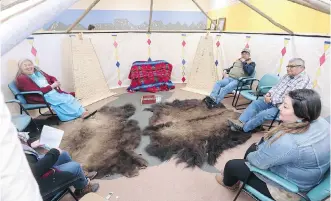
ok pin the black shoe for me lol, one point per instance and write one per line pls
(91, 114)
(210, 102)
(89, 188)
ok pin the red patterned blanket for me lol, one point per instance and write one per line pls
(150, 76)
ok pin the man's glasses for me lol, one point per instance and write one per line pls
(292, 66)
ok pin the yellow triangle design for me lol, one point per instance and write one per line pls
(281, 61)
(326, 47)
(318, 72)
(30, 41)
(116, 56)
(285, 42)
(37, 61)
(315, 83)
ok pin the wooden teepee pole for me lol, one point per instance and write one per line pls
(318, 5)
(196, 3)
(83, 15)
(150, 16)
(266, 16)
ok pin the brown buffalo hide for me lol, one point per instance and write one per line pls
(191, 131)
(105, 142)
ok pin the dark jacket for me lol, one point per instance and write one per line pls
(25, 83)
(49, 179)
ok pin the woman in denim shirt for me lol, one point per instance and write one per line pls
(297, 150)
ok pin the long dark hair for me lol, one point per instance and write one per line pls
(307, 106)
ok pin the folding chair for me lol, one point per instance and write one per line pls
(264, 85)
(24, 104)
(318, 193)
(22, 121)
(243, 84)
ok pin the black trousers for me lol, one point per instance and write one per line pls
(236, 170)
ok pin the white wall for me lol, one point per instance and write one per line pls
(265, 51)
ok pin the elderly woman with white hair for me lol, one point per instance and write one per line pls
(31, 78)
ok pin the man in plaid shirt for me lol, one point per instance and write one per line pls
(260, 110)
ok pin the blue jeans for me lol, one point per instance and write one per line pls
(256, 113)
(65, 163)
(223, 87)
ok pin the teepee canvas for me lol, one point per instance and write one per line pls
(89, 81)
(203, 73)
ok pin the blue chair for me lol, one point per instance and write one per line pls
(21, 121)
(243, 85)
(318, 193)
(27, 106)
(264, 85)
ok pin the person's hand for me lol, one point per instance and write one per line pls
(36, 144)
(56, 84)
(60, 150)
(225, 74)
(267, 99)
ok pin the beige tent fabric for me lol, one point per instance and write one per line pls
(89, 82)
(203, 73)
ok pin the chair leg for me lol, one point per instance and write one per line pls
(58, 197)
(236, 102)
(36, 125)
(234, 98)
(72, 194)
(237, 195)
(305, 197)
(242, 187)
(273, 120)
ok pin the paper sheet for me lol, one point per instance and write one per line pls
(51, 136)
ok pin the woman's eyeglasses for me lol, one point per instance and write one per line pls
(293, 66)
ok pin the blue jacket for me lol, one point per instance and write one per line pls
(300, 158)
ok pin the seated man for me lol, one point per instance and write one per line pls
(260, 110)
(243, 67)
(56, 168)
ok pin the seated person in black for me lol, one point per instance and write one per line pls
(56, 169)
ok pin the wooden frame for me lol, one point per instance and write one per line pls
(221, 23)
(213, 25)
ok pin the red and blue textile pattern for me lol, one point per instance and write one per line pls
(150, 76)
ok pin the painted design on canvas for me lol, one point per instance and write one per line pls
(149, 46)
(117, 64)
(217, 53)
(248, 38)
(33, 50)
(283, 52)
(321, 61)
(130, 20)
(183, 57)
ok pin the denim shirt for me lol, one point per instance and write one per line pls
(300, 158)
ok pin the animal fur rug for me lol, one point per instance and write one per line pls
(191, 131)
(105, 142)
